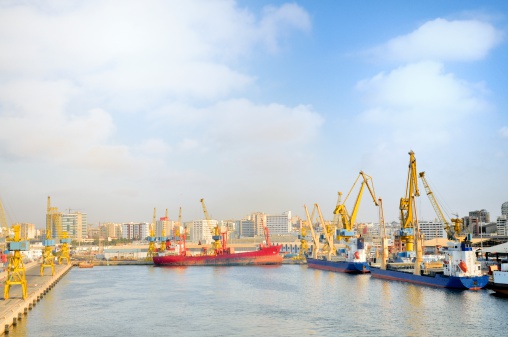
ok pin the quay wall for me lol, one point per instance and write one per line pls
(16, 308)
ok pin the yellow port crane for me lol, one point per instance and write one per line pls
(65, 250)
(163, 237)
(53, 219)
(348, 221)
(457, 223)
(16, 273)
(3, 219)
(151, 239)
(216, 234)
(315, 238)
(304, 245)
(408, 207)
(384, 238)
(329, 231)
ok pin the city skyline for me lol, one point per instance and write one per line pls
(119, 107)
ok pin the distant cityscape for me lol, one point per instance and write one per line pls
(75, 226)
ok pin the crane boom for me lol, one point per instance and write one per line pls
(329, 229)
(207, 217)
(315, 239)
(348, 221)
(437, 209)
(407, 206)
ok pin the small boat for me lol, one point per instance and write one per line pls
(85, 264)
(500, 280)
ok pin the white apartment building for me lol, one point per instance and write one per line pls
(279, 224)
(201, 230)
(502, 222)
(432, 229)
(135, 231)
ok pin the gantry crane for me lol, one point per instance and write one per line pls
(457, 223)
(65, 250)
(16, 270)
(53, 219)
(348, 221)
(407, 206)
(329, 231)
(151, 239)
(315, 238)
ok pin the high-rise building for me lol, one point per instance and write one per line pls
(74, 224)
(135, 231)
(279, 224)
(502, 223)
(504, 208)
(28, 230)
(432, 229)
(201, 230)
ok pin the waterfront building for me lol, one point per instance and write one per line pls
(135, 231)
(110, 230)
(165, 225)
(501, 225)
(279, 224)
(504, 208)
(246, 228)
(74, 224)
(201, 230)
(432, 229)
(28, 230)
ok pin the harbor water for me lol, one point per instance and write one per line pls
(285, 300)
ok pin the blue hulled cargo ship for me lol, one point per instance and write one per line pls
(354, 262)
(461, 270)
(339, 266)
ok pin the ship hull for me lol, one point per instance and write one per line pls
(437, 280)
(500, 283)
(339, 266)
(264, 256)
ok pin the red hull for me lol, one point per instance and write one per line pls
(266, 255)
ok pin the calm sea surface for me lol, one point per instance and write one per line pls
(287, 300)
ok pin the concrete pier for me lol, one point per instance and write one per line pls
(16, 308)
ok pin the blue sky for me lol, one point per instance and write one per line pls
(116, 107)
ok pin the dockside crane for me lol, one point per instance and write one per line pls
(407, 206)
(304, 245)
(219, 240)
(348, 221)
(53, 220)
(3, 219)
(16, 273)
(163, 237)
(384, 237)
(329, 231)
(65, 241)
(151, 239)
(315, 238)
(457, 223)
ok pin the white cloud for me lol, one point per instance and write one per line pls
(504, 132)
(442, 40)
(420, 98)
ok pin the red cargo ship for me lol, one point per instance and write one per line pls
(177, 254)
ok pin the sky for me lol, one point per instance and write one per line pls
(114, 108)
